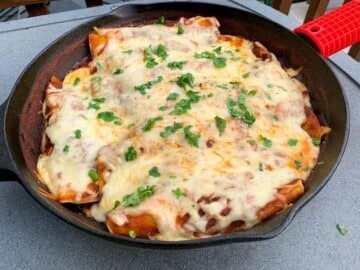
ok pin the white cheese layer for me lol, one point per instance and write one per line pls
(205, 169)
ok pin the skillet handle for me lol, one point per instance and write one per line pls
(335, 30)
(7, 170)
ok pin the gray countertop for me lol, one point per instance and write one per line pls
(32, 238)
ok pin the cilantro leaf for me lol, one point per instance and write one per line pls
(292, 142)
(190, 137)
(176, 65)
(172, 96)
(77, 133)
(108, 116)
(316, 142)
(76, 81)
(142, 87)
(182, 106)
(154, 172)
(168, 130)
(93, 175)
(151, 122)
(132, 234)
(137, 197)
(220, 124)
(341, 229)
(265, 141)
(180, 30)
(184, 80)
(161, 52)
(130, 154)
(178, 193)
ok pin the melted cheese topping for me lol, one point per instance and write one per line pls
(212, 165)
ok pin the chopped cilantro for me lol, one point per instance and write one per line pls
(161, 20)
(265, 141)
(261, 167)
(96, 79)
(244, 113)
(194, 96)
(176, 64)
(246, 75)
(172, 96)
(178, 193)
(77, 133)
(116, 204)
(148, 57)
(222, 86)
(269, 85)
(109, 116)
(135, 198)
(93, 175)
(182, 106)
(190, 137)
(151, 122)
(154, 172)
(297, 164)
(316, 141)
(184, 80)
(161, 52)
(130, 154)
(252, 93)
(219, 62)
(217, 50)
(142, 88)
(118, 71)
(342, 230)
(98, 65)
(251, 142)
(168, 130)
(180, 30)
(276, 118)
(292, 142)
(131, 125)
(66, 148)
(220, 124)
(151, 63)
(76, 81)
(268, 96)
(127, 51)
(132, 234)
(163, 108)
(235, 83)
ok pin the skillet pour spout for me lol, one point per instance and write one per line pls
(23, 125)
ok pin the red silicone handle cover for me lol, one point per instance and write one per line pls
(335, 30)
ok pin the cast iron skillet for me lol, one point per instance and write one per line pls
(23, 124)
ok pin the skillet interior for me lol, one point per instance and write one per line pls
(24, 124)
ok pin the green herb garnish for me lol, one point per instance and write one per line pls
(182, 106)
(132, 234)
(316, 142)
(161, 20)
(185, 80)
(163, 108)
(151, 122)
(261, 166)
(246, 75)
(66, 148)
(343, 231)
(118, 71)
(77, 133)
(176, 64)
(297, 164)
(109, 116)
(93, 175)
(219, 62)
(180, 30)
(135, 198)
(265, 141)
(240, 110)
(116, 204)
(168, 130)
(154, 172)
(172, 96)
(127, 51)
(220, 124)
(96, 79)
(76, 81)
(178, 193)
(190, 137)
(130, 154)
(142, 88)
(161, 52)
(292, 142)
